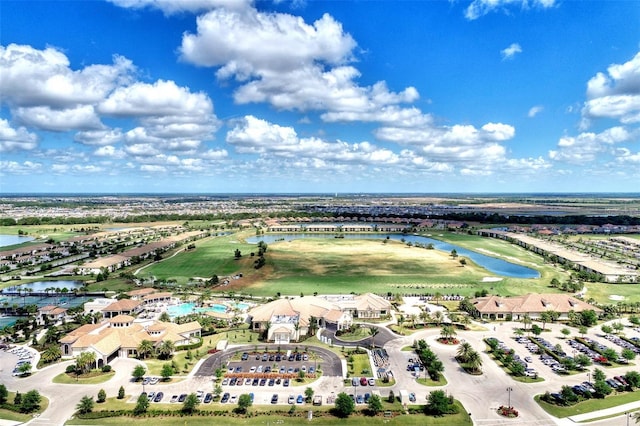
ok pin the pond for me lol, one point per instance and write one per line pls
(42, 286)
(10, 240)
(492, 264)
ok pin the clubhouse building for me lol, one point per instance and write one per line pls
(515, 307)
(290, 319)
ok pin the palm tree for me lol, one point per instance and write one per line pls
(374, 331)
(463, 351)
(526, 320)
(165, 349)
(438, 316)
(145, 347)
(447, 332)
(545, 317)
(474, 361)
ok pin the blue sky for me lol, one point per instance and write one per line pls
(215, 96)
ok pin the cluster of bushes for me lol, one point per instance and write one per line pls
(429, 359)
(599, 389)
(22, 403)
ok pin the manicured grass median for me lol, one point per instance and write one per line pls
(588, 405)
(99, 377)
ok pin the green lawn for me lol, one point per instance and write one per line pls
(589, 405)
(361, 365)
(64, 378)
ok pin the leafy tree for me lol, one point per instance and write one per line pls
(244, 402)
(438, 403)
(545, 317)
(375, 404)
(565, 331)
(25, 369)
(344, 405)
(536, 330)
(610, 354)
(602, 388)
(633, 378)
(190, 403)
(517, 369)
(165, 317)
(588, 317)
(4, 394)
(217, 391)
(599, 375)
(568, 395)
(606, 329)
(30, 402)
(308, 393)
(102, 396)
(301, 375)
(17, 400)
(138, 372)
(392, 397)
(618, 327)
(627, 354)
(142, 405)
(582, 360)
(121, 392)
(51, 354)
(166, 372)
(85, 405)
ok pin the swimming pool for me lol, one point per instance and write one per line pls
(190, 307)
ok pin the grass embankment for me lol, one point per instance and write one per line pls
(589, 405)
(20, 417)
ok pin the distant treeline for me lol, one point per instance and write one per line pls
(498, 219)
(144, 218)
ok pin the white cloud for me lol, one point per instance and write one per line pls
(615, 95)
(511, 51)
(82, 117)
(32, 77)
(171, 117)
(535, 110)
(170, 7)
(153, 168)
(587, 147)
(255, 136)
(109, 151)
(479, 8)
(16, 139)
(624, 155)
(215, 154)
(280, 59)
(99, 137)
(13, 167)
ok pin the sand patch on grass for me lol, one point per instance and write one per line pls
(491, 279)
(616, 297)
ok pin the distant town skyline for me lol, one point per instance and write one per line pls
(224, 96)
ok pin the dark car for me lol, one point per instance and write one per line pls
(272, 382)
(274, 398)
(255, 382)
(363, 381)
(263, 382)
(182, 397)
(245, 356)
(225, 397)
(285, 383)
(158, 397)
(208, 398)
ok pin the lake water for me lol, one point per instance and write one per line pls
(492, 264)
(58, 299)
(10, 240)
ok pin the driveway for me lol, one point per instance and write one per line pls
(383, 337)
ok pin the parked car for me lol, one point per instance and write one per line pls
(300, 399)
(372, 382)
(292, 399)
(363, 381)
(158, 397)
(208, 398)
(182, 397)
(274, 398)
(225, 397)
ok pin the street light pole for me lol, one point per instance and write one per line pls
(509, 389)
